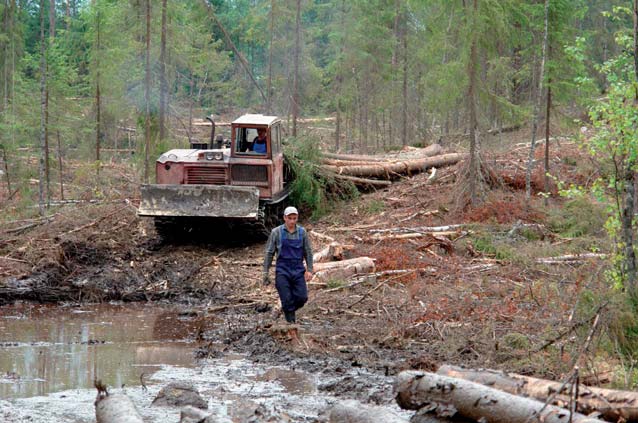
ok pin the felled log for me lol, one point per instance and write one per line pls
(351, 411)
(334, 251)
(570, 258)
(416, 390)
(612, 404)
(343, 269)
(387, 170)
(114, 408)
(361, 181)
(430, 150)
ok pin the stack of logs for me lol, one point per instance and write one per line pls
(379, 171)
(457, 394)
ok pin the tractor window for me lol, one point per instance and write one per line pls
(247, 141)
(274, 139)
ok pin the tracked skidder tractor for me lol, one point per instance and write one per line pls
(222, 183)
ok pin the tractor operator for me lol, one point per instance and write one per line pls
(292, 245)
(259, 143)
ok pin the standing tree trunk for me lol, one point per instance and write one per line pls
(98, 100)
(6, 171)
(47, 158)
(68, 14)
(147, 94)
(43, 111)
(272, 35)
(548, 108)
(404, 112)
(628, 208)
(51, 20)
(60, 167)
(295, 89)
(471, 98)
(162, 75)
(537, 106)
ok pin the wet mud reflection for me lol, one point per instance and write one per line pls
(47, 349)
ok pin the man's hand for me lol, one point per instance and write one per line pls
(308, 275)
(266, 279)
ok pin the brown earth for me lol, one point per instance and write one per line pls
(474, 296)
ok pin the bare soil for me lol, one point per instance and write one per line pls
(474, 297)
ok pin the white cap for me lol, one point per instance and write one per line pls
(290, 210)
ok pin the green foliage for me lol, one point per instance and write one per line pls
(311, 188)
(374, 206)
(578, 217)
(516, 341)
(335, 283)
(488, 245)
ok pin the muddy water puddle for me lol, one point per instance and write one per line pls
(46, 349)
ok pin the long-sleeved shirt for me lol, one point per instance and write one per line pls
(273, 242)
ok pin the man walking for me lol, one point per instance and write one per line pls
(292, 245)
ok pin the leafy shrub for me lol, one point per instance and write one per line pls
(311, 187)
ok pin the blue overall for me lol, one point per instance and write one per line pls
(259, 147)
(290, 270)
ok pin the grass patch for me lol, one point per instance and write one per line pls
(335, 283)
(489, 246)
(577, 217)
(375, 206)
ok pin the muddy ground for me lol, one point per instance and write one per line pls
(475, 296)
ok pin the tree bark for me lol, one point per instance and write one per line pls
(295, 89)
(147, 94)
(98, 99)
(404, 111)
(471, 98)
(627, 213)
(6, 171)
(389, 170)
(270, 48)
(116, 408)
(537, 105)
(548, 109)
(43, 112)
(162, 76)
(60, 167)
(613, 405)
(429, 151)
(416, 390)
(51, 20)
(351, 411)
(343, 269)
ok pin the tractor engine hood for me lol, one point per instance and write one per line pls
(193, 156)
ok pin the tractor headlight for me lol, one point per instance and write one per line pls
(218, 155)
(209, 155)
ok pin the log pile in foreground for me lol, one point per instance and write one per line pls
(613, 405)
(417, 390)
(379, 171)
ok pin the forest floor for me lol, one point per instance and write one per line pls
(482, 294)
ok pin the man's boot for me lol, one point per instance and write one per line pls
(290, 316)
